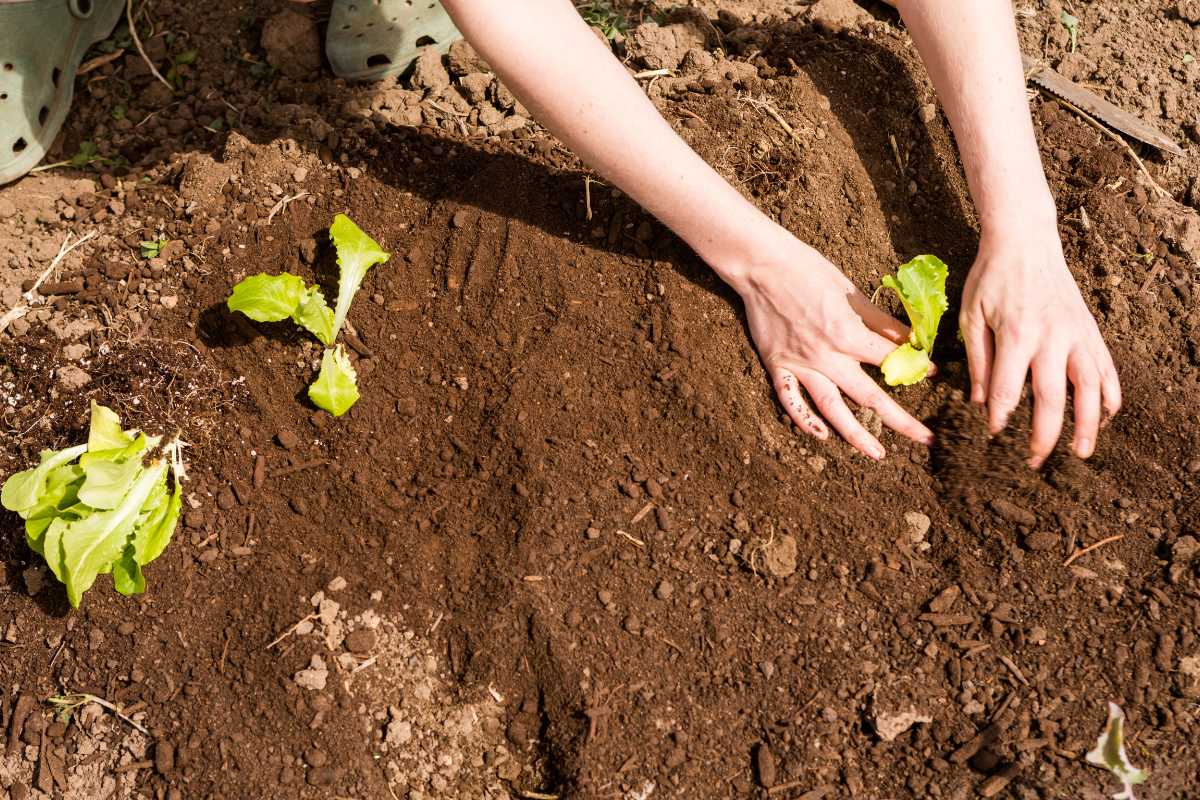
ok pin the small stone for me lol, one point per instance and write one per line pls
(35, 579)
(299, 174)
(779, 555)
(632, 624)
(164, 757)
(286, 439)
(336, 585)
(664, 591)
(927, 113)
(361, 641)
(945, 600)
(1185, 549)
(1041, 540)
(429, 72)
(74, 352)
(459, 219)
(316, 757)
(72, 377)
(836, 16)
(764, 765)
(308, 251)
(314, 677)
(917, 524)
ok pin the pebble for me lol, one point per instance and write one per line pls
(764, 765)
(918, 525)
(632, 624)
(316, 757)
(1041, 540)
(664, 591)
(286, 439)
(361, 641)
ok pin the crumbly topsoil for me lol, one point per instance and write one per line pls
(567, 544)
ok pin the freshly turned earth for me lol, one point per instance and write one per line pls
(567, 542)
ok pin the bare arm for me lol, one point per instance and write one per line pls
(811, 326)
(1021, 308)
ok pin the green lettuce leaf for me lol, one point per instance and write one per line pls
(356, 253)
(24, 490)
(336, 387)
(127, 575)
(921, 285)
(89, 546)
(107, 482)
(267, 298)
(905, 366)
(105, 432)
(315, 315)
(1109, 754)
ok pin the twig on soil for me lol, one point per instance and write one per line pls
(896, 152)
(651, 73)
(291, 630)
(72, 701)
(532, 795)
(638, 542)
(28, 299)
(283, 203)
(303, 465)
(1100, 127)
(769, 110)
(587, 195)
(137, 42)
(1153, 276)
(1014, 669)
(99, 61)
(639, 516)
(1084, 551)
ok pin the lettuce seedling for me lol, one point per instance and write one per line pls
(271, 298)
(99, 507)
(921, 285)
(1109, 754)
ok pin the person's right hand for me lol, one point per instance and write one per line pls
(814, 328)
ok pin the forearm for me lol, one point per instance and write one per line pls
(560, 70)
(973, 56)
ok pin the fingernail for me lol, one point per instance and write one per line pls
(1084, 448)
(1034, 462)
(977, 393)
(877, 451)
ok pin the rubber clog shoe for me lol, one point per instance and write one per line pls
(368, 40)
(41, 45)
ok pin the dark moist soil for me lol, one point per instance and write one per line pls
(568, 476)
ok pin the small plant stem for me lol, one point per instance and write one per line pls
(1100, 127)
(137, 42)
(1084, 551)
(27, 299)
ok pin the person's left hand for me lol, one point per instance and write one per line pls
(1022, 312)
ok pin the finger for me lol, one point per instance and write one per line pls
(879, 320)
(1110, 388)
(1083, 374)
(864, 391)
(868, 347)
(977, 337)
(788, 390)
(1006, 381)
(1049, 404)
(829, 402)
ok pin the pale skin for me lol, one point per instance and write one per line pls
(1021, 312)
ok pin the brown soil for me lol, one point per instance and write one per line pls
(567, 542)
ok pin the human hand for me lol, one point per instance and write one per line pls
(1022, 312)
(814, 328)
